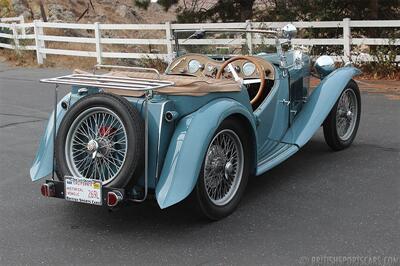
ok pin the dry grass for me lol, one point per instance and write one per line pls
(369, 73)
(389, 88)
(70, 62)
(20, 58)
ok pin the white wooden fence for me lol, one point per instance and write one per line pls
(35, 31)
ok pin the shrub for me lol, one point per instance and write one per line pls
(384, 65)
(147, 62)
(158, 64)
(7, 31)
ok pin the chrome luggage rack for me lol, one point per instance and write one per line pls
(112, 82)
(148, 86)
(109, 82)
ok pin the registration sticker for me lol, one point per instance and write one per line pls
(83, 190)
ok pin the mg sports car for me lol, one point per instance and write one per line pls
(199, 130)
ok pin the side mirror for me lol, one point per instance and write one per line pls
(289, 31)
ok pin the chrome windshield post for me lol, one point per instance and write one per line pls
(282, 57)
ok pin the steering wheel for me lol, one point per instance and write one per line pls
(260, 70)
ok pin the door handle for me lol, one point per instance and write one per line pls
(284, 101)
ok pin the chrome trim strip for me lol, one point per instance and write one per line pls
(159, 142)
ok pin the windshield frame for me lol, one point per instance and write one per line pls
(200, 33)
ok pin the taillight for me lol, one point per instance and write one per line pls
(48, 190)
(113, 198)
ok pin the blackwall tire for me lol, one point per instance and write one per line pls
(233, 171)
(101, 129)
(336, 137)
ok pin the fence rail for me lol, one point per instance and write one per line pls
(36, 31)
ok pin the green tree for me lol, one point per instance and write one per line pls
(202, 10)
(279, 10)
(328, 10)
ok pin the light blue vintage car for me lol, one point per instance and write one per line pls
(199, 130)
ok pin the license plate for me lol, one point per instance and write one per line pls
(83, 190)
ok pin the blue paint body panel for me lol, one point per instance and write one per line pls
(188, 147)
(318, 106)
(43, 163)
(177, 149)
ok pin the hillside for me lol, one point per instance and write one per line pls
(104, 11)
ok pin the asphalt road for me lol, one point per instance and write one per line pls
(318, 203)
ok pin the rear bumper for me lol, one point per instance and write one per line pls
(58, 191)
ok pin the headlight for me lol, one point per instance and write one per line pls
(193, 66)
(248, 69)
(324, 65)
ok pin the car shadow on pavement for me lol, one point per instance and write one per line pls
(183, 215)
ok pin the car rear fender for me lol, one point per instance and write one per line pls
(318, 106)
(188, 147)
(43, 163)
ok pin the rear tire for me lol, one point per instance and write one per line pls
(341, 125)
(101, 137)
(224, 172)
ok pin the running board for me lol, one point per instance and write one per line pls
(280, 153)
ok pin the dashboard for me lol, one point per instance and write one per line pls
(204, 66)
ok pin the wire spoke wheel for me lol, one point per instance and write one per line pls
(342, 122)
(346, 115)
(96, 145)
(223, 167)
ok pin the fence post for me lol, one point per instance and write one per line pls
(168, 37)
(22, 21)
(42, 42)
(15, 37)
(346, 39)
(39, 55)
(249, 37)
(97, 36)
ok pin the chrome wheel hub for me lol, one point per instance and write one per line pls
(92, 146)
(228, 169)
(96, 145)
(223, 167)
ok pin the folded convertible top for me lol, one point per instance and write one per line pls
(184, 85)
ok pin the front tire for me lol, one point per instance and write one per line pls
(341, 125)
(225, 171)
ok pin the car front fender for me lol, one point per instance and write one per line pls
(188, 147)
(318, 106)
(43, 163)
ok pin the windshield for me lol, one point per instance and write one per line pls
(216, 43)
